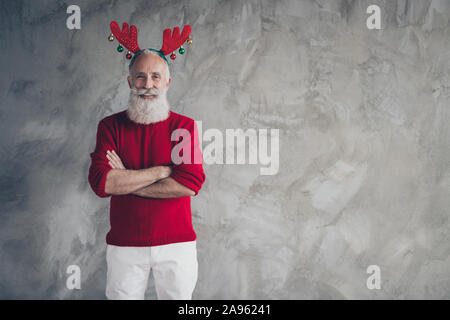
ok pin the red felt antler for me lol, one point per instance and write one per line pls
(174, 41)
(127, 37)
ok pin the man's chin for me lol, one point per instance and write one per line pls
(148, 110)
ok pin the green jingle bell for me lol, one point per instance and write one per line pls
(120, 48)
(181, 51)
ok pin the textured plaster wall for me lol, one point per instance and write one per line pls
(364, 144)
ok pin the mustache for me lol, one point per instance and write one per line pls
(144, 91)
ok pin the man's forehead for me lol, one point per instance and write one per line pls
(149, 63)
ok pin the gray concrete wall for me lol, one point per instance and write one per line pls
(364, 144)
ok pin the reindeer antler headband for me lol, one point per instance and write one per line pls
(171, 41)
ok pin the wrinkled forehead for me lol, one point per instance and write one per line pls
(149, 63)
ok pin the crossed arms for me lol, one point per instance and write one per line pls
(153, 182)
(108, 176)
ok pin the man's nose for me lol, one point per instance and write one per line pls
(148, 83)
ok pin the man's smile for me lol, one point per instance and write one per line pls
(149, 96)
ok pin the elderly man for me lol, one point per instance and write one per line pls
(150, 209)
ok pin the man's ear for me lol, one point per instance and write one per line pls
(129, 82)
(168, 83)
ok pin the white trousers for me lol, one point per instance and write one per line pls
(174, 265)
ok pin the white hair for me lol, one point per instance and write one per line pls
(147, 51)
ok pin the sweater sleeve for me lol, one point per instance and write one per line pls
(191, 174)
(99, 163)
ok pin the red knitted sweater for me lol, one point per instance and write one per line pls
(138, 221)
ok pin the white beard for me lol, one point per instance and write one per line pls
(146, 111)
